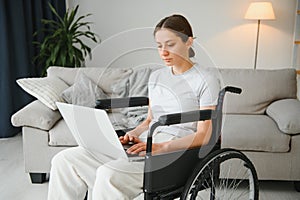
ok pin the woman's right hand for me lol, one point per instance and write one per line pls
(129, 138)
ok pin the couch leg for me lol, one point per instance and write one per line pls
(38, 177)
(297, 185)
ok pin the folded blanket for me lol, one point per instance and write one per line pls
(136, 115)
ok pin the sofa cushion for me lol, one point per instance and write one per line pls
(105, 78)
(36, 115)
(60, 135)
(83, 92)
(253, 133)
(286, 113)
(47, 89)
(260, 88)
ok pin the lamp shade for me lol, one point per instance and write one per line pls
(260, 11)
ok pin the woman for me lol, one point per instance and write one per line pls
(181, 86)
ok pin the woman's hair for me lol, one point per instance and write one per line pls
(180, 26)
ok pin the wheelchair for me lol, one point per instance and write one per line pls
(206, 172)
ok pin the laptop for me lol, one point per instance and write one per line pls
(93, 131)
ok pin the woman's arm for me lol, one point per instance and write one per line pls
(200, 137)
(197, 139)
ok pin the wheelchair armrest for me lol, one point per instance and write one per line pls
(121, 102)
(233, 89)
(192, 116)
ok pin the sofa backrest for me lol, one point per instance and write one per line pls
(105, 78)
(115, 82)
(260, 88)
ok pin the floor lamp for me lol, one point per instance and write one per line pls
(259, 11)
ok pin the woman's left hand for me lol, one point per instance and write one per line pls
(140, 148)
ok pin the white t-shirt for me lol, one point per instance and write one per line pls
(169, 93)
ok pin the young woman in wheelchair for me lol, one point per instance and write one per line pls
(181, 86)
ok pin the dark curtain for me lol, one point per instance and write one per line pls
(19, 19)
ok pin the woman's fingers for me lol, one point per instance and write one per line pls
(137, 148)
(125, 139)
(129, 138)
(142, 153)
(136, 140)
(140, 148)
(121, 138)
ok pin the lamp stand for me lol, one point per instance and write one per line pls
(257, 37)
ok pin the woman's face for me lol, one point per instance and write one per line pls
(171, 48)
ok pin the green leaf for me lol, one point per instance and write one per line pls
(64, 42)
(54, 12)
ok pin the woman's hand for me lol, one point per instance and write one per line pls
(129, 138)
(140, 148)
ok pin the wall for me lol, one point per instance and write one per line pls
(219, 26)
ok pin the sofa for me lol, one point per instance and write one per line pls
(263, 122)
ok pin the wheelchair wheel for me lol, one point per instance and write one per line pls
(225, 174)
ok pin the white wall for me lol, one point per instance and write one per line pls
(219, 26)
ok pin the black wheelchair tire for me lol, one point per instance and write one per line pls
(212, 162)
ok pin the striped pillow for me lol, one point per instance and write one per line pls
(48, 89)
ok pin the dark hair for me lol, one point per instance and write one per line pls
(179, 25)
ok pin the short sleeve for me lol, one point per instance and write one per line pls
(210, 91)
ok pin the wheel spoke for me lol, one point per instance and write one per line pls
(236, 179)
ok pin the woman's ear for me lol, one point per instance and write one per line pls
(190, 42)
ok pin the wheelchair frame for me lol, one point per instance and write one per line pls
(204, 162)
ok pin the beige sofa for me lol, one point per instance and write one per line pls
(263, 122)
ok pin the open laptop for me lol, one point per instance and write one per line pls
(93, 131)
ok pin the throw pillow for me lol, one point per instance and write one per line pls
(47, 89)
(83, 92)
(286, 113)
(138, 82)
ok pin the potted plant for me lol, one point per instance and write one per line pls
(63, 45)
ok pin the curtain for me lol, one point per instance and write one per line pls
(19, 19)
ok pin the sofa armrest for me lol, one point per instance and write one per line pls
(286, 113)
(36, 115)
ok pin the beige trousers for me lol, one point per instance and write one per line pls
(74, 172)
